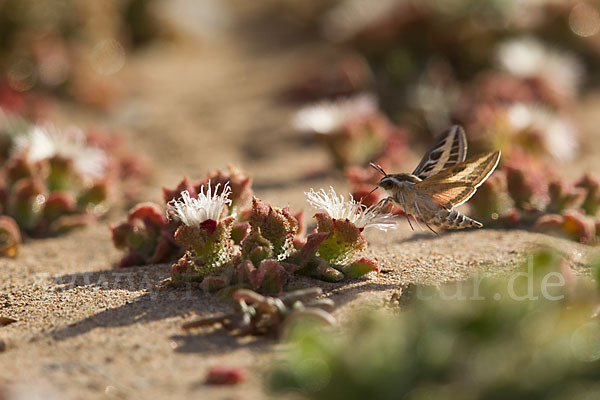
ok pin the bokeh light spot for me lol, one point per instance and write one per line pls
(108, 57)
(585, 342)
(313, 374)
(21, 75)
(584, 20)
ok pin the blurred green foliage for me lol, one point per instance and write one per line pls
(528, 336)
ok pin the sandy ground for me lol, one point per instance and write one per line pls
(86, 330)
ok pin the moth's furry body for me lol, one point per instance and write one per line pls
(442, 181)
(406, 195)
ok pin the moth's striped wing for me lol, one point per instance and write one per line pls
(449, 150)
(455, 185)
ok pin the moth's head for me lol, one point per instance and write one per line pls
(387, 183)
(396, 181)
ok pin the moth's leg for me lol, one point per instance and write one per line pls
(405, 212)
(382, 203)
(418, 223)
(431, 229)
(424, 220)
(409, 223)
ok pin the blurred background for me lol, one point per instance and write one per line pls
(301, 93)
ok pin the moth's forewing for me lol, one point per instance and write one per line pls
(449, 150)
(455, 185)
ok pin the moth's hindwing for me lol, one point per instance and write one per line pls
(455, 185)
(449, 150)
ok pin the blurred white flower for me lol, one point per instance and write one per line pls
(194, 211)
(41, 143)
(558, 132)
(529, 58)
(349, 17)
(329, 116)
(355, 212)
(202, 19)
(525, 14)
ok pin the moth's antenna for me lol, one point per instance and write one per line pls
(378, 168)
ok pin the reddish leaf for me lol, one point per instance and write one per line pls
(244, 272)
(150, 213)
(213, 283)
(312, 244)
(220, 375)
(131, 260)
(360, 267)
(173, 194)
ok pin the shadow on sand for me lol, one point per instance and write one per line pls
(159, 302)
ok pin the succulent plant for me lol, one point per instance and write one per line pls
(266, 240)
(260, 248)
(591, 203)
(563, 196)
(204, 232)
(272, 232)
(492, 199)
(150, 238)
(60, 54)
(255, 314)
(352, 130)
(524, 194)
(573, 225)
(10, 237)
(517, 124)
(345, 76)
(554, 75)
(54, 181)
(147, 236)
(334, 249)
(239, 183)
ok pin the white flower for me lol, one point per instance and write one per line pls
(329, 116)
(559, 133)
(42, 143)
(355, 212)
(529, 58)
(194, 211)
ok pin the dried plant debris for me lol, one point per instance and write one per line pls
(6, 321)
(255, 314)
